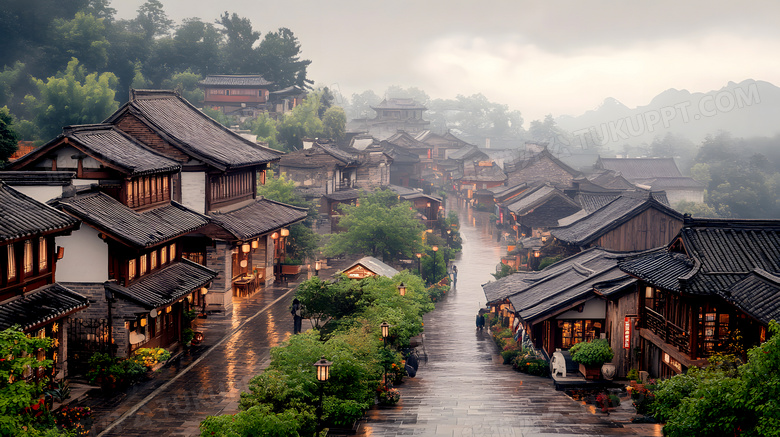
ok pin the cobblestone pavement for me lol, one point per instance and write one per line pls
(464, 390)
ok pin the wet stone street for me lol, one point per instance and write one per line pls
(461, 388)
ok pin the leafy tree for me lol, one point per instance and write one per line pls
(10, 79)
(72, 97)
(379, 225)
(83, 37)
(139, 81)
(476, 117)
(17, 394)
(238, 52)
(696, 209)
(303, 241)
(302, 122)
(9, 139)
(197, 45)
(360, 106)
(334, 123)
(265, 128)
(326, 102)
(219, 116)
(152, 20)
(414, 93)
(186, 83)
(278, 59)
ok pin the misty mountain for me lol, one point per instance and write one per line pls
(747, 109)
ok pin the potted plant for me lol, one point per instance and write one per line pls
(591, 356)
(291, 266)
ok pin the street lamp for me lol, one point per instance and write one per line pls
(402, 289)
(317, 267)
(323, 373)
(385, 329)
(419, 263)
(433, 277)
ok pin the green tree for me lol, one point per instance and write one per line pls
(186, 83)
(278, 59)
(83, 37)
(139, 81)
(219, 116)
(72, 97)
(302, 122)
(379, 225)
(238, 52)
(265, 128)
(696, 209)
(334, 123)
(9, 139)
(360, 105)
(10, 81)
(152, 20)
(303, 241)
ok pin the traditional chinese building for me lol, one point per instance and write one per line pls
(713, 289)
(30, 297)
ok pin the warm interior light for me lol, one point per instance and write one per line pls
(536, 254)
(285, 232)
(168, 309)
(402, 289)
(317, 265)
(245, 248)
(143, 321)
(243, 263)
(385, 327)
(204, 290)
(275, 235)
(255, 244)
(323, 369)
(419, 255)
(435, 248)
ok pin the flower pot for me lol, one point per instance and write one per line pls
(590, 372)
(608, 370)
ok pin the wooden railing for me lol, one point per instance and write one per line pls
(668, 331)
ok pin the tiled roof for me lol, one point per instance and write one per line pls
(259, 217)
(609, 217)
(569, 282)
(22, 216)
(39, 306)
(534, 197)
(404, 139)
(758, 294)
(466, 152)
(659, 268)
(194, 132)
(396, 103)
(611, 179)
(108, 144)
(37, 178)
(292, 89)
(492, 173)
(718, 254)
(640, 168)
(166, 285)
(374, 265)
(248, 80)
(672, 183)
(143, 229)
(343, 195)
(523, 161)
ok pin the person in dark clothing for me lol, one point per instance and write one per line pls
(480, 322)
(296, 313)
(454, 274)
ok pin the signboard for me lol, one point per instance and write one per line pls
(627, 333)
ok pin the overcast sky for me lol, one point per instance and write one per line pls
(559, 57)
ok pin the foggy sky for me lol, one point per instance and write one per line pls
(559, 57)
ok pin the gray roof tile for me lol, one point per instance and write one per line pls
(41, 305)
(259, 217)
(22, 216)
(166, 285)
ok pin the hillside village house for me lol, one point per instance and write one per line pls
(244, 95)
(127, 256)
(580, 298)
(713, 288)
(540, 167)
(656, 174)
(219, 175)
(392, 115)
(30, 297)
(366, 267)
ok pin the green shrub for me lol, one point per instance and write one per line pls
(531, 364)
(633, 375)
(260, 420)
(509, 355)
(593, 353)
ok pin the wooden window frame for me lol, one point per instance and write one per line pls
(12, 271)
(131, 269)
(43, 252)
(143, 265)
(28, 259)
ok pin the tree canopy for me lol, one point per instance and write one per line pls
(380, 225)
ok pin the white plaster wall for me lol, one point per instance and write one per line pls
(193, 190)
(85, 259)
(594, 309)
(41, 193)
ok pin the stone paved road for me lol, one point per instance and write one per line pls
(464, 390)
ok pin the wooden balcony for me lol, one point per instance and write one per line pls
(668, 331)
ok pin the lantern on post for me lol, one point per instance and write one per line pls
(402, 289)
(323, 374)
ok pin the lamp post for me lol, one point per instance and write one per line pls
(419, 263)
(385, 329)
(275, 238)
(317, 267)
(203, 291)
(433, 277)
(402, 289)
(323, 373)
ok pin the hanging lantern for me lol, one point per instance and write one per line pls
(153, 313)
(285, 232)
(203, 290)
(245, 248)
(143, 321)
(255, 244)
(275, 235)
(323, 369)
(243, 263)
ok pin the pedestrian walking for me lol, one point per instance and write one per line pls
(480, 321)
(454, 274)
(296, 313)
